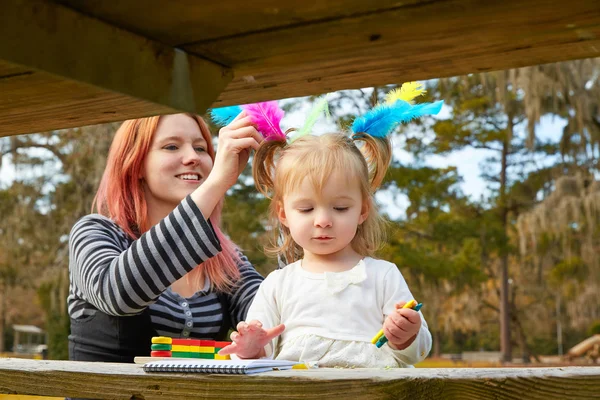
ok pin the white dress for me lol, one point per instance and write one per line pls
(332, 317)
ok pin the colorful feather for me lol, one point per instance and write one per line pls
(381, 120)
(267, 117)
(321, 106)
(408, 92)
(224, 115)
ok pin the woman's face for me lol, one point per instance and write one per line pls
(177, 162)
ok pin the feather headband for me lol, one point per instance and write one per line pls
(379, 122)
(398, 108)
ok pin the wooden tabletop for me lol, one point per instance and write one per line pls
(129, 381)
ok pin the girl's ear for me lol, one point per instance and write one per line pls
(364, 212)
(281, 214)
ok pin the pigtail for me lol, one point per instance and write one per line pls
(263, 165)
(378, 155)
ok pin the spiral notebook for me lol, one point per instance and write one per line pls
(218, 366)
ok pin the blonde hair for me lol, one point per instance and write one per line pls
(279, 168)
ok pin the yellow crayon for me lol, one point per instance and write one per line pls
(410, 304)
(376, 337)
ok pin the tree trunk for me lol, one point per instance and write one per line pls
(505, 344)
(436, 343)
(3, 296)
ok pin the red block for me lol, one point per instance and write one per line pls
(160, 353)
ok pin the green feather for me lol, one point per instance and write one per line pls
(321, 106)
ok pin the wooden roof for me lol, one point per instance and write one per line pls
(70, 63)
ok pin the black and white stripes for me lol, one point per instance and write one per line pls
(113, 274)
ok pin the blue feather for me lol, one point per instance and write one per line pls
(224, 115)
(381, 120)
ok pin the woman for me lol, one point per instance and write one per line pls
(154, 261)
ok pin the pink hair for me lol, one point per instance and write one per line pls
(120, 197)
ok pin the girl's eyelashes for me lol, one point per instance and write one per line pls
(170, 147)
(309, 209)
(200, 149)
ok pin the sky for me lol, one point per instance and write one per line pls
(468, 161)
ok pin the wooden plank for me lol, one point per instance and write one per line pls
(434, 39)
(186, 21)
(74, 70)
(128, 381)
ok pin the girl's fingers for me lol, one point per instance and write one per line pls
(275, 331)
(230, 349)
(400, 304)
(242, 327)
(411, 315)
(394, 337)
(256, 323)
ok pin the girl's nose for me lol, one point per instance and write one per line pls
(323, 220)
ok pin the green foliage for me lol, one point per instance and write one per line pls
(594, 328)
(57, 321)
(571, 269)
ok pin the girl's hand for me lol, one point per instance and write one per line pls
(402, 326)
(250, 339)
(233, 151)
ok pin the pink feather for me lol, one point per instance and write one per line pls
(266, 116)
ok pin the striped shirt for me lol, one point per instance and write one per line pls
(113, 274)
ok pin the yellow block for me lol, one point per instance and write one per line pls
(193, 349)
(181, 347)
(162, 340)
(220, 357)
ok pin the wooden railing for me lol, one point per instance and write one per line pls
(129, 381)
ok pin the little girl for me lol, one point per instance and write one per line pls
(329, 303)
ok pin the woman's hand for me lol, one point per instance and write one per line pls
(233, 151)
(401, 327)
(235, 142)
(250, 339)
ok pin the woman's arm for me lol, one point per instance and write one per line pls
(244, 293)
(120, 280)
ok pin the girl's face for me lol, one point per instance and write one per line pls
(324, 224)
(177, 162)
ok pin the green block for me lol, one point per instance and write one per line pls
(157, 346)
(190, 354)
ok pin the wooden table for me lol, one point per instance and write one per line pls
(129, 381)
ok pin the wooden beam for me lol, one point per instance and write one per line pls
(128, 381)
(419, 41)
(187, 21)
(60, 69)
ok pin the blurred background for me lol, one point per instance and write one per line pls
(498, 192)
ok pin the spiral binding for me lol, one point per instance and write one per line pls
(202, 368)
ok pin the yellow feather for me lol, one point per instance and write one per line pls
(407, 92)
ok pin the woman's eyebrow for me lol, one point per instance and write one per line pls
(170, 139)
